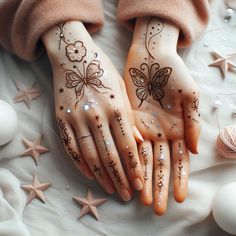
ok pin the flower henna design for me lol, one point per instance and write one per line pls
(76, 51)
(150, 81)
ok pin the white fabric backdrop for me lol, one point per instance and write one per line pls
(59, 215)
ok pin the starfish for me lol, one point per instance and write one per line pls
(89, 204)
(36, 190)
(224, 63)
(26, 95)
(34, 149)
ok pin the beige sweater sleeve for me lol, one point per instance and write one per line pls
(191, 16)
(22, 22)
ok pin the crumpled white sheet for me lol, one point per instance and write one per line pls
(59, 215)
(12, 202)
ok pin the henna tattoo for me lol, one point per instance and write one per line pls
(160, 176)
(61, 108)
(67, 141)
(64, 132)
(144, 153)
(97, 170)
(112, 96)
(61, 90)
(119, 118)
(74, 156)
(195, 108)
(112, 165)
(151, 32)
(89, 78)
(180, 90)
(97, 117)
(89, 73)
(180, 163)
(150, 81)
(132, 162)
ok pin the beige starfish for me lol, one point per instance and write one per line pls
(26, 95)
(34, 149)
(224, 63)
(36, 190)
(89, 204)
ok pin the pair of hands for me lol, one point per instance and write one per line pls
(142, 123)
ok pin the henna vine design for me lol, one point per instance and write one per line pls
(84, 74)
(151, 32)
(67, 141)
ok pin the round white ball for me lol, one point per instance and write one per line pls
(224, 208)
(8, 122)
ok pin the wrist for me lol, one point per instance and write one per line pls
(73, 30)
(160, 34)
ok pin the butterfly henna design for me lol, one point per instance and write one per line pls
(150, 81)
(88, 78)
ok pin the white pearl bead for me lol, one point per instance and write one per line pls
(228, 14)
(216, 104)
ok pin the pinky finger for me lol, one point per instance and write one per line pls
(181, 169)
(192, 122)
(71, 147)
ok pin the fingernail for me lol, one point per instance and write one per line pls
(125, 195)
(109, 188)
(138, 184)
(138, 136)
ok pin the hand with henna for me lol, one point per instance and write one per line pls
(93, 111)
(165, 101)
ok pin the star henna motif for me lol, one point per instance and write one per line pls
(61, 108)
(34, 148)
(112, 96)
(35, 190)
(61, 90)
(224, 63)
(26, 95)
(89, 204)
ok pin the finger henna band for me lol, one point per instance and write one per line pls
(160, 175)
(145, 153)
